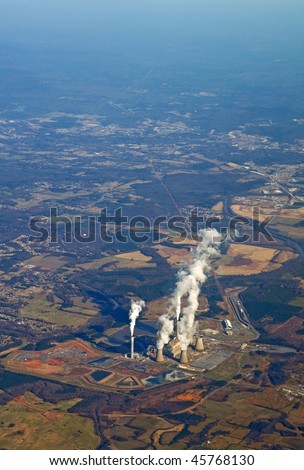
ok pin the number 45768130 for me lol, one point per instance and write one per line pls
(223, 459)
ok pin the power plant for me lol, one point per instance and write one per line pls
(136, 308)
(179, 319)
(199, 346)
(160, 356)
(184, 357)
(176, 350)
(132, 347)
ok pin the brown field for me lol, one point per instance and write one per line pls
(174, 256)
(189, 396)
(134, 256)
(234, 165)
(209, 323)
(294, 232)
(85, 308)
(269, 398)
(47, 263)
(283, 220)
(132, 260)
(246, 260)
(38, 197)
(248, 211)
(154, 308)
(218, 207)
(242, 408)
(266, 208)
(288, 330)
(285, 256)
(297, 213)
(182, 241)
(203, 304)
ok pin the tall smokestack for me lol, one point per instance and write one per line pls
(177, 327)
(184, 357)
(136, 308)
(132, 347)
(199, 344)
(160, 356)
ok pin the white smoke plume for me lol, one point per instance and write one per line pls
(190, 279)
(136, 308)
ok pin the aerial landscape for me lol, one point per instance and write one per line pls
(151, 225)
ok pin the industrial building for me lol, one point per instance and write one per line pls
(228, 327)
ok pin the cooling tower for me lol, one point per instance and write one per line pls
(160, 356)
(199, 346)
(184, 357)
(132, 347)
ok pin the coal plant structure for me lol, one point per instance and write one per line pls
(160, 356)
(199, 345)
(184, 357)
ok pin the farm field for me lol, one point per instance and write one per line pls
(30, 423)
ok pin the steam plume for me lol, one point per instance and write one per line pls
(136, 308)
(189, 281)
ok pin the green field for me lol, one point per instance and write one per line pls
(39, 308)
(32, 424)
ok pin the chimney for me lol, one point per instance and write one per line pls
(177, 328)
(132, 347)
(199, 344)
(184, 357)
(159, 356)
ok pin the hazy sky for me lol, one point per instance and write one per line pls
(65, 21)
(253, 46)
